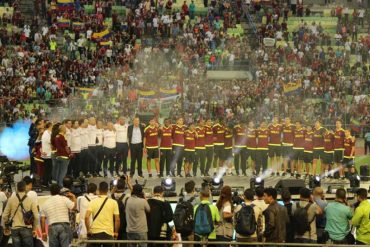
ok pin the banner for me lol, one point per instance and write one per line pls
(63, 23)
(292, 87)
(269, 42)
(104, 35)
(166, 104)
(148, 105)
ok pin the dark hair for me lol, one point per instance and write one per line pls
(249, 194)
(121, 184)
(137, 190)
(205, 192)
(225, 196)
(28, 180)
(54, 189)
(21, 186)
(259, 191)
(54, 132)
(48, 124)
(103, 187)
(38, 122)
(271, 192)
(341, 194)
(189, 186)
(305, 193)
(91, 188)
(158, 190)
(286, 196)
(362, 193)
(67, 182)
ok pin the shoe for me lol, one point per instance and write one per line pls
(202, 175)
(292, 174)
(188, 175)
(160, 175)
(283, 174)
(150, 175)
(141, 176)
(207, 174)
(298, 175)
(105, 175)
(214, 174)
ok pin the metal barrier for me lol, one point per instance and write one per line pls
(203, 243)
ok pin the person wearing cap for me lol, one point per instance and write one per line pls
(136, 209)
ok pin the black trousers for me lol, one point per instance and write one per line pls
(209, 156)
(200, 157)
(178, 156)
(48, 167)
(84, 161)
(101, 236)
(99, 158)
(136, 155)
(165, 159)
(92, 159)
(121, 156)
(262, 156)
(240, 159)
(74, 167)
(109, 154)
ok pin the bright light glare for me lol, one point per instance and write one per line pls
(168, 181)
(258, 179)
(217, 180)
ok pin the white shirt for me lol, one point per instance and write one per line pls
(84, 138)
(99, 137)
(82, 205)
(56, 209)
(109, 139)
(3, 199)
(76, 141)
(121, 133)
(68, 136)
(30, 194)
(136, 135)
(46, 145)
(91, 129)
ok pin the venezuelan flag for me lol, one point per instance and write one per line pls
(292, 88)
(78, 25)
(66, 5)
(146, 94)
(104, 35)
(106, 43)
(63, 23)
(167, 92)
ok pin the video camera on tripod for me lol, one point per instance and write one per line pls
(7, 171)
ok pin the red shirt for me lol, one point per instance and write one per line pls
(240, 136)
(251, 138)
(318, 138)
(228, 138)
(166, 137)
(339, 139)
(275, 135)
(208, 136)
(189, 140)
(151, 137)
(200, 141)
(299, 138)
(178, 135)
(218, 134)
(288, 135)
(61, 147)
(263, 141)
(349, 143)
(329, 142)
(308, 142)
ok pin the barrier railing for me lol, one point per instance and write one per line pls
(203, 243)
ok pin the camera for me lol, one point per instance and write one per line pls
(236, 198)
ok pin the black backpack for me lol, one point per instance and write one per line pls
(183, 217)
(245, 223)
(28, 216)
(300, 219)
(289, 226)
(122, 215)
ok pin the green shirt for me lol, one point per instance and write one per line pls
(337, 220)
(215, 216)
(361, 220)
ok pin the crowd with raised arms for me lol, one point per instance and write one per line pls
(90, 147)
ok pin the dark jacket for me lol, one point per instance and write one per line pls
(130, 130)
(160, 214)
(276, 218)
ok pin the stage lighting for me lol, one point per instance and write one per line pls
(354, 181)
(217, 183)
(315, 181)
(255, 182)
(169, 186)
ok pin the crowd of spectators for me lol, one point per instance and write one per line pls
(46, 60)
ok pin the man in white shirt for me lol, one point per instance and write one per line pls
(122, 145)
(84, 145)
(259, 202)
(75, 162)
(91, 130)
(46, 153)
(82, 205)
(30, 193)
(56, 211)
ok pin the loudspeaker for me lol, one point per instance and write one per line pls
(293, 185)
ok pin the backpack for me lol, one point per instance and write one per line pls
(246, 224)
(122, 215)
(289, 226)
(300, 219)
(28, 217)
(203, 220)
(183, 217)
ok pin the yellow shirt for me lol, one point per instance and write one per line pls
(104, 222)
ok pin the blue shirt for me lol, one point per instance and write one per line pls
(337, 220)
